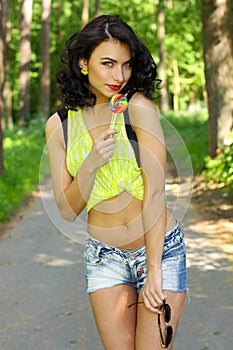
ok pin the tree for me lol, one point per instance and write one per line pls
(161, 65)
(25, 56)
(1, 89)
(217, 19)
(182, 45)
(97, 7)
(85, 12)
(44, 104)
(184, 53)
(7, 93)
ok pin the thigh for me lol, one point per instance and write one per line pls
(115, 322)
(147, 334)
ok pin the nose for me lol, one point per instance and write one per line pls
(118, 74)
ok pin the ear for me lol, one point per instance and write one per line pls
(82, 63)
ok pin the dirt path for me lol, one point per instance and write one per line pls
(42, 305)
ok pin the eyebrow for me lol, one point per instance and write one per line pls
(111, 59)
(108, 58)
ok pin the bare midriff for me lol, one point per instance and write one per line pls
(119, 222)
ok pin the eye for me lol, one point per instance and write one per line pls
(107, 63)
(128, 64)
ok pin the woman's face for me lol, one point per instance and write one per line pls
(109, 69)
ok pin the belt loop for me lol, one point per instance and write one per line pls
(98, 250)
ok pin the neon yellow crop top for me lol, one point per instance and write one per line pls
(120, 173)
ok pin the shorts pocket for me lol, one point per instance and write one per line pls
(174, 246)
(95, 254)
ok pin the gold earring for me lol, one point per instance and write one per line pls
(84, 71)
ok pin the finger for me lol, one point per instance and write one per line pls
(110, 133)
(105, 146)
(154, 294)
(151, 307)
(161, 296)
(153, 299)
(105, 135)
(105, 151)
(109, 149)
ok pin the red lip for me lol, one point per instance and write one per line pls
(114, 87)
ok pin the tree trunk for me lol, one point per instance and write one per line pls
(170, 4)
(1, 89)
(7, 92)
(217, 17)
(97, 7)
(161, 66)
(85, 12)
(25, 56)
(58, 33)
(44, 102)
(176, 85)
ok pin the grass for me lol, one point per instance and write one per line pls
(22, 155)
(192, 127)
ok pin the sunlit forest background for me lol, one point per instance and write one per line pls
(191, 42)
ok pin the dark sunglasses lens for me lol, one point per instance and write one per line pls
(167, 313)
(169, 335)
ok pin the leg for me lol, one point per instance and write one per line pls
(147, 334)
(115, 322)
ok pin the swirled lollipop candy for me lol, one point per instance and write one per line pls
(118, 103)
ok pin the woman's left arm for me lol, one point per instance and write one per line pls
(152, 149)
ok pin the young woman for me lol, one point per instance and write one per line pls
(135, 253)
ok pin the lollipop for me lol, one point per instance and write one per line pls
(118, 103)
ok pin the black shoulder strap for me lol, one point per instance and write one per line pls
(130, 132)
(63, 114)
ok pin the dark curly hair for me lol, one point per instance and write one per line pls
(74, 87)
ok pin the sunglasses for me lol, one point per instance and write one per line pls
(168, 334)
(166, 340)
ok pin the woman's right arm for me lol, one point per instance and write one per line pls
(71, 194)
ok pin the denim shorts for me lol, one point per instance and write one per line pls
(107, 266)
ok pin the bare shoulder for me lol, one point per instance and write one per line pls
(138, 99)
(143, 112)
(52, 125)
(52, 122)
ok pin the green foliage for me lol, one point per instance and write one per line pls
(22, 153)
(192, 128)
(141, 15)
(183, 45)
(183, 41)
(220, 169)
